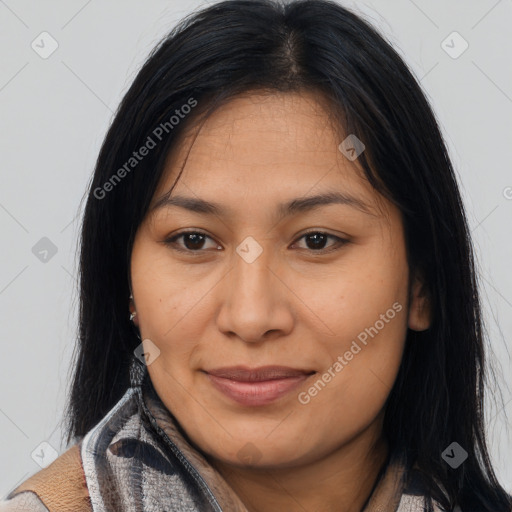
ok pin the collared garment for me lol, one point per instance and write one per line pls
(138, 459)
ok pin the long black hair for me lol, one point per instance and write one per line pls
(236, 46)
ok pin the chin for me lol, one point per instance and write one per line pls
(258, 454)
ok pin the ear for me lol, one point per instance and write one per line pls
(420, 310)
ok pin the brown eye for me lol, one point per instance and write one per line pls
(193, 241)
(316, 241)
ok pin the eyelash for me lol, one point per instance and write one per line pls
(340, 242)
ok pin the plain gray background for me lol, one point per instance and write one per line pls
(54, 115)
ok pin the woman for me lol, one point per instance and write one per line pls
(278, 299)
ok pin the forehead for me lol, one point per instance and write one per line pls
(272, 144)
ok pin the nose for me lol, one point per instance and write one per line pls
(255, 302)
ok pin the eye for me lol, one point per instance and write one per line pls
(193, 241)
(316, 241)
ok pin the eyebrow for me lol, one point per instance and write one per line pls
(295, 206)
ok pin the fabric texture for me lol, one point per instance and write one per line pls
(65, 474)
(138, 459)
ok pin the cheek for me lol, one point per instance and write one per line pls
(162, 291)
(165, 303)
(358, 295)
(352, 390)
(367, 317)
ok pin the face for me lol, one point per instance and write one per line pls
(280, 319)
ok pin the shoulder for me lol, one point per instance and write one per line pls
(63, 485)
(59, 486)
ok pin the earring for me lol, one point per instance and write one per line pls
(132, 315)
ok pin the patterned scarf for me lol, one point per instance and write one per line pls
(138, 459)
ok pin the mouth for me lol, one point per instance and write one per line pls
(256, 386)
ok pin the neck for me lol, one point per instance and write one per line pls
(342, 480)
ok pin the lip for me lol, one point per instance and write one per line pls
(256, 386)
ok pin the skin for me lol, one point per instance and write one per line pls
(296, 305)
